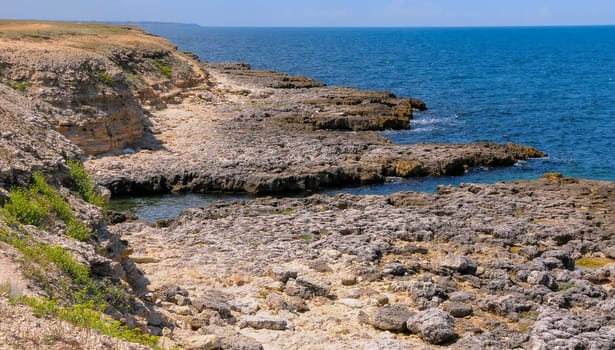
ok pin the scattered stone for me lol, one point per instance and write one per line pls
(389, 318)
(283, 274)
(543, 278)
(457, 309)
(202, 342)
(433, 325)
(265, 321)
(349, 279)
(459, 264)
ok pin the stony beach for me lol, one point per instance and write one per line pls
(519, 265)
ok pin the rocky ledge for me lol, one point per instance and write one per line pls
(266, 132)
(506, 266)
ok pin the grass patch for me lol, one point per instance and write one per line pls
(83, 184)
(287, 211)
(40, 205)
(85, 315)
(20, 86)
(106, 78)
(45, 30)
(568, 286)
(592, 263)
(532, 314)
(306, 238)
(163, 68)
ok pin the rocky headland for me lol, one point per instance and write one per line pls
(524, 264)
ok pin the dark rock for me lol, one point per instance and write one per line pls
(433, 325)
(457, 309)
(394, 269)
(390, 318)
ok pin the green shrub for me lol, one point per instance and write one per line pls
(83, 184)
(106, 78)
(39, 204)
(84, 315)
(164, 68)
(23, 208)
(20, 86)
(78, 230)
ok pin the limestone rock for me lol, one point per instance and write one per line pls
(390, 318)
(457, 309)
(433, 325)
(459, 264)
(202, 342)
(265, 321)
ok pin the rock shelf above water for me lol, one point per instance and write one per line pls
(267, 132)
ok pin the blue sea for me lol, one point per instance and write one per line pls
(552, 88)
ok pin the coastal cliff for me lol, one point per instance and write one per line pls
(527, 264)
(95, 83)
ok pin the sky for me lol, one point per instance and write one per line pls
(314, 13)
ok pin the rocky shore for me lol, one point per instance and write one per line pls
(266, 132)
(505, 266)
(527, 264)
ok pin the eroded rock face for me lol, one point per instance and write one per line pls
(28, 142)
(94, 88)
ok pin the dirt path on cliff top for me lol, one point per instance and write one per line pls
(264, 132)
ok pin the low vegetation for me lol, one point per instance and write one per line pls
(40, 205)
(20, 86)
(105, 78)
(73, 293)
(83, 184)
(15, 29)
(164, 68)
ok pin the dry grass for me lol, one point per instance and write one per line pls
(48, 30)
(92, 37)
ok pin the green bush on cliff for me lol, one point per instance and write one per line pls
(164, 68)
(21, 209)
(40, 205)
(105, 78)
(20, 86)
(83, 184)
(85, 315)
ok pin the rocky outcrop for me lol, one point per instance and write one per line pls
(28, 143)
(96, 83)
(244, 136)
(311, 104)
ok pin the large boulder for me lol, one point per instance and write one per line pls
(433, 325)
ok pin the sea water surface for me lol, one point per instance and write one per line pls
(552, 88)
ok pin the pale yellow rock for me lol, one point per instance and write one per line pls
(202, 342)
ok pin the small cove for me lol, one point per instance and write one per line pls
(157, 207)
(166, 206)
